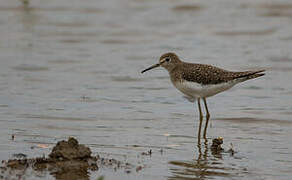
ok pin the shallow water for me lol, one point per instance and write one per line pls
(72, 68)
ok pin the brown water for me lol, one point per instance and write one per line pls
(71, 68)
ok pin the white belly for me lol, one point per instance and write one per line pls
(196, 90)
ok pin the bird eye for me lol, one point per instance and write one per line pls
(167, 59)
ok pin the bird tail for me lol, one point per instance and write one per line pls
(250, 75)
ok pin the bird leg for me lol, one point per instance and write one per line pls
(207, 117)
(207, 111)
(201, 120)
(200, 109)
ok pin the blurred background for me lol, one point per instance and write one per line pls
(72, 68)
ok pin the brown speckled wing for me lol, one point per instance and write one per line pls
(206, 74)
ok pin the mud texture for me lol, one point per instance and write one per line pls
(216, 145)
(68, 160)
(69, 150)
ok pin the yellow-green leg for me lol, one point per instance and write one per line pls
(201, 120)
(207, 111)
(207, 117)
(200, 109)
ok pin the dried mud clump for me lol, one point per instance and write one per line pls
(68, 160)
(216, 145)
(69, 150)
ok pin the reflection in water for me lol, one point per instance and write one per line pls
(64, 172)
(71, 172)
(206, 125)
(28, 19)
(203, 166)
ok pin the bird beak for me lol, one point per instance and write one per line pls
(151, 67)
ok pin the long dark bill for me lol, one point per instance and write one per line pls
(151, 67)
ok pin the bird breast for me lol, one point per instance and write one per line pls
(197, 90)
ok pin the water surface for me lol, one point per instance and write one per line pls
(72, 68)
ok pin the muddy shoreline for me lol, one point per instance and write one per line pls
(67, 160)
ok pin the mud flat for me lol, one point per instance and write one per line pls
(68, 160)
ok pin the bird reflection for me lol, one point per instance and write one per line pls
(203, 166)
(205, 129)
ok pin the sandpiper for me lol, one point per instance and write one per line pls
(199, 81)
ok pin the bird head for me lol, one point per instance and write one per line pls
(167, 60)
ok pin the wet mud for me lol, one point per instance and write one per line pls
(216, 145)
(67, 160)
